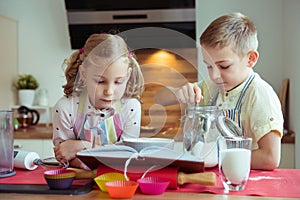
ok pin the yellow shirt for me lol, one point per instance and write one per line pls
(260, 107)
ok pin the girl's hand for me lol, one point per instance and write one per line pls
(78, 164)
(67, 149)
(188, 94)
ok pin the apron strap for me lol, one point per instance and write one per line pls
(239, 103)
(237, 109)
(111, 126)
(234, 114)
(80, 118)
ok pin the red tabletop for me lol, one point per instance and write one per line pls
(276, 183)
(34, 177)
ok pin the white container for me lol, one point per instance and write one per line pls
(26, 97)
(24, 159)
(43, 97)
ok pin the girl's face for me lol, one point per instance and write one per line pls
(106, 85)
(226, 68)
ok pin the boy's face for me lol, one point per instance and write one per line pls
(106, 85)
(226, 68)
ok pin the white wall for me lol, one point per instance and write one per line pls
(43, 40)
(8, 57)
(292, 65)
(268, 25)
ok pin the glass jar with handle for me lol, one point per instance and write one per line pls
(202, 127)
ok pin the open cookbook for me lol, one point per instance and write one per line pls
(120, 156)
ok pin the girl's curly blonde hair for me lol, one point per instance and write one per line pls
(110, 45)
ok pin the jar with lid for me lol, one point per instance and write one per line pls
(202, 127)
(43, 97)
(200, 133)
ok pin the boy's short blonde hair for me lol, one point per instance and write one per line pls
(235, 30)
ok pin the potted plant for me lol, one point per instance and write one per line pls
(26, 84)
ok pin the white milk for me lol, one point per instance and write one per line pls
(235, 164)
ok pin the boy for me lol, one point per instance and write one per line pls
(229, 48)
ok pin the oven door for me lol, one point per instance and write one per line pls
(140, 35)
(167, 28)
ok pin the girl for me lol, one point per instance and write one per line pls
(101, 103)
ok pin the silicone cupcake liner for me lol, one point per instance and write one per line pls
(153, 185)
(121, 189)
(59, 173)
(59, 178)
(63, 183)
(108, 177)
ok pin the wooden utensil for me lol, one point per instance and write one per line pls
(203, 178)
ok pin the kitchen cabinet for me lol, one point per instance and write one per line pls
(43, 147)
(161, 69)
(36, 138)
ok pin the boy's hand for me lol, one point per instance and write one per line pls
(188, 94)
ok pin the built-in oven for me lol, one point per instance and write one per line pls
(143, 23)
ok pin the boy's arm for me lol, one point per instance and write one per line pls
(267, 156)
(189, 93)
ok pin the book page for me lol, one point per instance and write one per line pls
(167, 153)
(113, 151)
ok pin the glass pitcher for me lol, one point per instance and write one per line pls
(202, 127)
(200, 133)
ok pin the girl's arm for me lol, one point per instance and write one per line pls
(131, 118)
(63, 118)
(67, 150)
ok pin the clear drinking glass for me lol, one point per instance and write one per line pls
(234, 156)
(6, 143)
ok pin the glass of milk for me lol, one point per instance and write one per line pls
(234, 160)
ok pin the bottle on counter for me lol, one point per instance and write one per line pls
(16, 124)
(43, 97)
(25, 159)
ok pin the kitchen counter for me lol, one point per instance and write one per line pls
(41, 131)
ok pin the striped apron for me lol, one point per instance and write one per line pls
(103, 127)
(234, 114)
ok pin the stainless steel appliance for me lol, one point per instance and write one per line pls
(144, 23)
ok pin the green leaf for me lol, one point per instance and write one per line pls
(26, 81)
